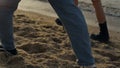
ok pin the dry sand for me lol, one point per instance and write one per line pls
(43, 44)
(111, 8)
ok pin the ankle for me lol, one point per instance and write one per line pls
(103, 28)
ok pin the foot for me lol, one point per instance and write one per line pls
(11, 52)
(58, 22)
(1, 48)
(91, 66)
(100, 38)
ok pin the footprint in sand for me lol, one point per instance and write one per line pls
(32, 48)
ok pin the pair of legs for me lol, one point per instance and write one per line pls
(103, 35)
(7, 9)
(75, 25)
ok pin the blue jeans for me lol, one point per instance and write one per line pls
(75, 25)
(7, 9)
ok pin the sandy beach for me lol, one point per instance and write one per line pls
(111, 8)
(43, 44)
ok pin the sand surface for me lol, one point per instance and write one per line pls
(43, 44)
(111, 8)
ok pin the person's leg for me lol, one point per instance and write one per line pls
(103, 35)
(6, 25)
(58, 21)
(76, 28)
(6, 29)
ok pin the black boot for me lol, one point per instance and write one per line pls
(10, 52)
(1, 48)
(103, 35)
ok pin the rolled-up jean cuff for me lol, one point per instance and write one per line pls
(85, 64)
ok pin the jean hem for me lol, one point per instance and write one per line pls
(84, 64)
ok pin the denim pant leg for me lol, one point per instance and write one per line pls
(6, 29)
(6, 24)
(75, 25)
